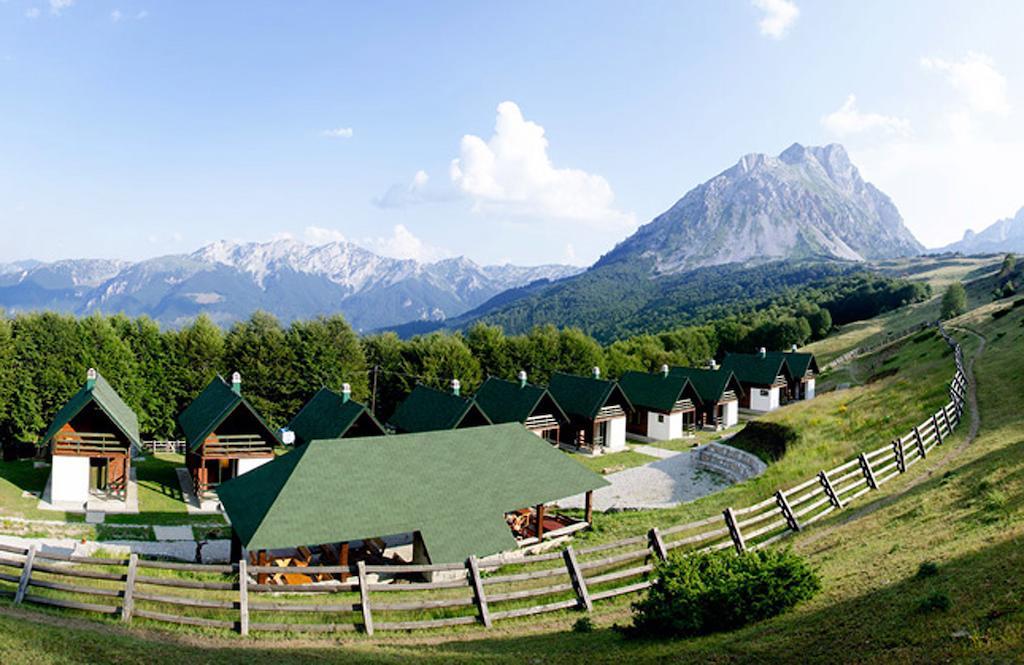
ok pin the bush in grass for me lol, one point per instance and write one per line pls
(927, 569)
(583, 625)
(768, 441)
(711, 592)
(936, 601)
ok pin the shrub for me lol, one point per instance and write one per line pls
(927, 569)
(768, 441)
(705, 593)
(583, 625)
(936, 601)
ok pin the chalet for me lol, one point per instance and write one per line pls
(521, 402)
(664, 404)
(597, 411)
(450, 492)
(224, 435)
(764, 377)
(719, 391)
(91, 440)
(427, 409)
(804, 368)
(329, 415)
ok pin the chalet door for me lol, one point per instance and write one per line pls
(98, 474)
(601, 433)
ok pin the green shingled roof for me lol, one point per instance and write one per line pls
(329, 416)
(211, 408)
(509, 402)
(656, 391)
(799, 363)
(753, 369)
(453, 486)
(107, 399)
(710, 383)
(428, 410)
(582, 396)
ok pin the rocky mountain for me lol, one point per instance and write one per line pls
(1005, 235)
(288, 278)
(807, 202)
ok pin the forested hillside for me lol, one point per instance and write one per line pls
(44, 356)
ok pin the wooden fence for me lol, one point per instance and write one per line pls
(164, 447)
(230, 597)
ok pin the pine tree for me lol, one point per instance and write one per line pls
(197, 351)
(259, 350)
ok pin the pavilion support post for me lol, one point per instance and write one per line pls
(236, 547)
(588, 503)
(262, 560)
(343, 560)
(540, 521)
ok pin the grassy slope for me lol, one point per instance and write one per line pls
(967, 516)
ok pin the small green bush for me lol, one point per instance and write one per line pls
(768, 441)
(710, 592)
(583, 625)
(927, 569)
(936, 601)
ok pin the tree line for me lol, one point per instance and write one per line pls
(44, 357)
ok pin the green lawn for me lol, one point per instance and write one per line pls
(617, 461)
(687, 443)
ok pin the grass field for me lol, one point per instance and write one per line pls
(614, 461)
(962, 509)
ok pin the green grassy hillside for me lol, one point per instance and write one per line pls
(963, 509)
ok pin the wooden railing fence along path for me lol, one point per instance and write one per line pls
(229, 597)
(164, 447)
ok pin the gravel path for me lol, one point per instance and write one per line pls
(653, 451)
(662, 484)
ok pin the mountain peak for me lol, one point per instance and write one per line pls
(810, 201)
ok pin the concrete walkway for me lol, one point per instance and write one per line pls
(653, 451)
(214, 551)
(193, 504)
(673, 479)
(95, 504)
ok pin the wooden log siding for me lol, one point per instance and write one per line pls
(616, 568)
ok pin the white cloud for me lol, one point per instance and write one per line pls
(779, 17)
(116, 15)
(402, 244)
(319, 235)
(511, 173)
(976, 78)
(32, 12)
(849, 119)
(338, 133)
(57, 6)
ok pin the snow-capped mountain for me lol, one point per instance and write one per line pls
(1005, 235)
(291, 279)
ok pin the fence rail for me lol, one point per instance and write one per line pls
(226, 597)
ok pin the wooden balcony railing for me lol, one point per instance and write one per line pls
(88, 443)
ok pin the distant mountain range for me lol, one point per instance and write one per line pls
(1005, 235)
(807, 206)
(293, 280)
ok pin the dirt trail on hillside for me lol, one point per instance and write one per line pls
(932, 465)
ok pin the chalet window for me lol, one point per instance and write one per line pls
(661, 418)
(764, 393)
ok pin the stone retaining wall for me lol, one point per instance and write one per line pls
(735, 464)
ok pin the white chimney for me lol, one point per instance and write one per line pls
(762, 352)
(596, 372)
(456, 387)
(287, 436)
(712, 364)
(346, 392)
(522, 378)
(793, 349)
(664, 370)
(90, 377)
(236, 382)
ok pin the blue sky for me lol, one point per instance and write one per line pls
(132, 129)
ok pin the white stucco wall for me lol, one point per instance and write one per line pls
(69, 479)
(670, 428)
(759, 402)
(730, 414)
(809, 389)
(246, 465)
(616, 434)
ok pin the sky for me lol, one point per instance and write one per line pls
(528, 132)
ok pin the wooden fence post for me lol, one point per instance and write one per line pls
(26, 574)
(787, 511)
(128, 606)
(364, 598)
(243, 596)
(657, 544)
(734, 530)
(945, 417)
(579, 583)
(920, 442)
(865, 467)
(830, 491)
(938, 432)
(901, 460)
(473, 571)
